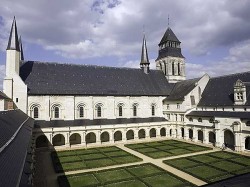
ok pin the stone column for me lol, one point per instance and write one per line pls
(147, 133)
(67, 142)
(238, 146)
(111, 136)
(167, 131)
(178, 128)
(218, 143)
(124, 138)
(158, 132)
(136, 134)
(83, 139)
(186, 133)
(195, 135)
(98, 137)
(205, 136)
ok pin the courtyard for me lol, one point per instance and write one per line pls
(171, 162)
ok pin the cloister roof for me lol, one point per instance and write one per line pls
(72, 79)
(220, 90)
(15, 134)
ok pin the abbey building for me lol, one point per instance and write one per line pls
(82, 105)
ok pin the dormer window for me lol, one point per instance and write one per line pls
(239, 93)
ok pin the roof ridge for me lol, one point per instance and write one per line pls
(86, 65)
(230, 74)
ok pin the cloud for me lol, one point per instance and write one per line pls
(237, 61)
(94, 28)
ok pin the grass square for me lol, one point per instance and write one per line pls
(159, 154)
(69, 159)
(169, 142)
(99, 163)
(92, 156)
(126, 159)
(131, 183)
(117, 153)
(64, 153)
(204, 158)
(166, 147)
(181, 163)
(179, 151)
(221, 177)
(73, 166)
(227, 166)
(147, 149)
(109, 149)
(113, 175)
(82, 180)
(197, 148)
(242, 171)
(86, 151)
(163, 180)
(242, 160)
(205, 172)
(224, 155)
(144, 170)
(135, 146)
(153, 144)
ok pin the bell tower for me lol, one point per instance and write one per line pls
(170, 59)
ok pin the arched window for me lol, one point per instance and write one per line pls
(153, 110)
(135, 110)
(81, 112)
(199, 119)
(191, 119)
(99, 111)
(56, 112)
(35, 112)
(120, 110)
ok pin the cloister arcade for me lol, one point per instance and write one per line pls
(85, 138)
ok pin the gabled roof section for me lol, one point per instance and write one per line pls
(169, 36)
(181, 89)
(4, 96)
(71, 79)
(225, 114)
(220, 90)
(13, 43)
(15, 134)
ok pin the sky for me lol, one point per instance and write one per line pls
(215, 35)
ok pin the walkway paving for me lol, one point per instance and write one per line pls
(159, 163)
(46, 176)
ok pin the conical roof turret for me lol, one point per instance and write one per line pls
(13, 43)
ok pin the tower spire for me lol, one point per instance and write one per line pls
(168, 20)
(13, 43)
(21, 48)
(144, 64)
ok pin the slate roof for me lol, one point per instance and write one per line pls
(169, 36)
(88, 122)
(3, 96)
(71, 79)
(13, 43)
(238, 180)
(181, 89)
(170, 51)
(241, 115)
(12, 158)
(220, 90)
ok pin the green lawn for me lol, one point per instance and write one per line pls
(212, 167)
(144, 175)
(90, 158)
(166, 148)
